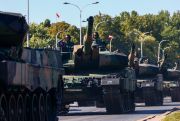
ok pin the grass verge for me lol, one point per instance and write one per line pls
(173, 117)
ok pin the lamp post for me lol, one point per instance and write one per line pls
(110, 44)
(159, 46)
(57, 38)
(80, 16)
(97, 25)
(28, 22)
(142, 42)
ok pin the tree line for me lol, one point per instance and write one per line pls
(126, 28)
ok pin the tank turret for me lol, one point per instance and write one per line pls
(172, 74)
(89, 56)
(13, 30)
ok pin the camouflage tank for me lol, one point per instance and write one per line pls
(149, 85)
(100, 76)
(171, 86)
(29, 78)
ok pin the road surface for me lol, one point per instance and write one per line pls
(99, 114)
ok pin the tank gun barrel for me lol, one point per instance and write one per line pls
(88, 36)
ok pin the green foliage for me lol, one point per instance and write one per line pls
(39, 37)
(131, 27)
(173, 117)
(64, 28)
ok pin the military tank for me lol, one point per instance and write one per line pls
(171, 85)
(29, 81)
(149, 85)
(100, 76)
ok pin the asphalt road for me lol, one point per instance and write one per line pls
(99, 114)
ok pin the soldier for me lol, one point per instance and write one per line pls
(66, 45)
(98, 41)
(62, 45)
(69, 43)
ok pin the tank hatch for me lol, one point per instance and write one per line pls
(13, 28)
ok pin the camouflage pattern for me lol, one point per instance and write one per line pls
(29, 77)
(156, 82)
(171, 86)
(112, 60)
(36, 67)
(44, 66)
(127, 82)
(13, 28)
(42, 57)
(148, 70)
(149, 85)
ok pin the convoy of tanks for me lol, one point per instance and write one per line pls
(100, 76)
(38, 84)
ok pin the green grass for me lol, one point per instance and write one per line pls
(173, 117)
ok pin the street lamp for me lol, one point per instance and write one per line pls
(28, 22)
(159, 46)
(57, 38)
(80, 11)
(110, 45)
(142, 43)
(163, 50)
(97, 25)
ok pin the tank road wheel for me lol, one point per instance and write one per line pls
(35, 110)
(130, 102)
(132, 98)
(49, 108)
(3, 108)
(113, 100)
(42, 108)
(12, 108)
(126, 102)
(159, 100)
(28, 108)
(153, 97)
(174, 92)
(20, 108)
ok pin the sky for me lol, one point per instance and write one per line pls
(47, 9)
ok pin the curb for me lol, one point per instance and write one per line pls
(159, 117)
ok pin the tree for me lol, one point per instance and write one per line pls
(39, 36)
